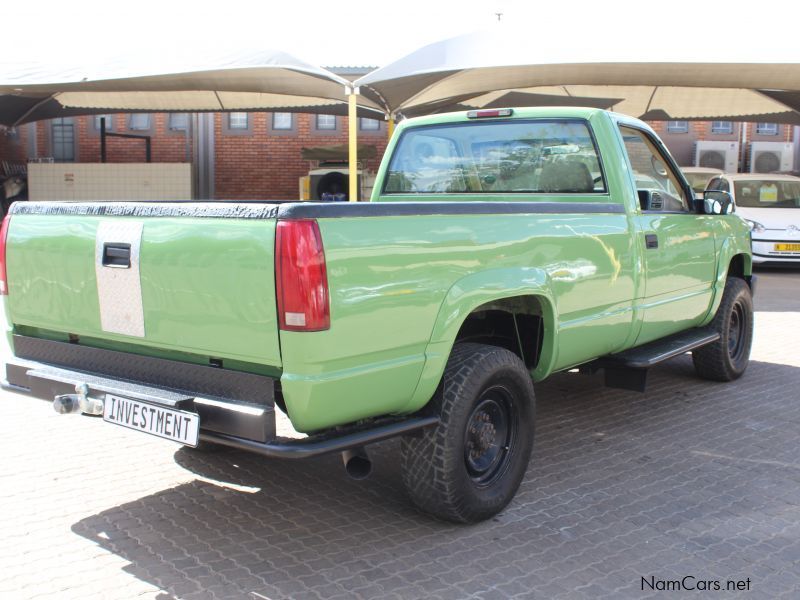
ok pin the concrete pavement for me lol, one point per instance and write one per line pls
(627, 494)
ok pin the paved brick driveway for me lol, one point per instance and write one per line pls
(692, 478)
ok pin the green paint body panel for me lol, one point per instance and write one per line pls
(400, 286)
(208, 287)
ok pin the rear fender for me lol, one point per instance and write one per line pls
(464, 297)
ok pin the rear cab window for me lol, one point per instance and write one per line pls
(516, 156)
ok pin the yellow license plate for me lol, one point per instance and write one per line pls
(787, 247)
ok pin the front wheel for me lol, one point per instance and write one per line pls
(728, 357)
(469, 466)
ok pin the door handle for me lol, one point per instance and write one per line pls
(651, 241)
(117, 255)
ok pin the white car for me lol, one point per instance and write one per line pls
(771, 205)
(698, 178)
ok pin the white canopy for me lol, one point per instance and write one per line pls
(215, 81)
(651, 77)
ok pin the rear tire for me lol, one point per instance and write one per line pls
(728, 357)
(470, 465)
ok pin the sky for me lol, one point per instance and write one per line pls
(346, 33)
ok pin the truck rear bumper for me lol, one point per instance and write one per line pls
(240, 414)
(245, 420)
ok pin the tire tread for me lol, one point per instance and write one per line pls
(712, 361)
(429, 465)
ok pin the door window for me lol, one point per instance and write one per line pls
(652, 171)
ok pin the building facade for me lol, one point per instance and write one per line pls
(682, 138)
(258, 155)
(252, 155)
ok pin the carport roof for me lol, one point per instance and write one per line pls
(704, 79)
(214, 81)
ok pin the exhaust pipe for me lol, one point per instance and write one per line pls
(357, 463)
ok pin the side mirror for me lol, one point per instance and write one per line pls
(717, 202)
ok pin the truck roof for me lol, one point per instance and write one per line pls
(535, 112)
(529, 112)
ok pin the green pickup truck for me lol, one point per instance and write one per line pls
(499, 247)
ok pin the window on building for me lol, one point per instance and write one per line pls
(767, 128)
(282, 120)
(109, 122)
(237, 120)
(677, 126)
(139, 122)
(63, 140)
(721, 127)
(178, 121)
(369, 124)
(327, 122)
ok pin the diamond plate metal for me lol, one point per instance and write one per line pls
(199, 380)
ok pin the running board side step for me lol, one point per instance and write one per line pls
(628, 370)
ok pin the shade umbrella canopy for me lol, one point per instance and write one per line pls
(647, 76)
(244, 80)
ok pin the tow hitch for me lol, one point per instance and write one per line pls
(78, 402)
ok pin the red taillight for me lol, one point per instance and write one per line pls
(3, 236)
(301, 277)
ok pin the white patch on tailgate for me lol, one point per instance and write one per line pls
(119, 290)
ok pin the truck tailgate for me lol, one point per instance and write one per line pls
(194, 288)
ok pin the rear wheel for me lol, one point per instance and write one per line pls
(469, 467)
(728, 357)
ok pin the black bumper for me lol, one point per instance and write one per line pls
(235, 409)
(228, 402)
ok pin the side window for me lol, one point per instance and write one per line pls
(652, 171)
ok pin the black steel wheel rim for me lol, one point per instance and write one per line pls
(489, 436)
(736, 331)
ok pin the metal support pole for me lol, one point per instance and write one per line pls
(352, 115)
(102, 139)
(391, 125)
(743, 149)
(796, 140)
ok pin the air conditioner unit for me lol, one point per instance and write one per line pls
(769, 157)
(717, 155)
(330, 180)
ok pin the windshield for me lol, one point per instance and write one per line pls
(698, 181)
(496, 156)
(767, 193)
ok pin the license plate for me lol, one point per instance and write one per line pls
(787, 247)
(176, 425)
